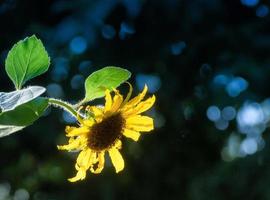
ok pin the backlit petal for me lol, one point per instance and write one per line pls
(118, 144)
(69, 129)
(108, 103)
(74, 144)
(81, 174)
(88, 122)
(85, 158)
(117, 102)
(117, 159)
(132, 134)
(137, 99)
(84, 161)
(140, 123)
(101, 162)
(129, 94)
(72, 131)
(141, 107)
(97, 111)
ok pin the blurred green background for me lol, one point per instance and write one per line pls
(208, 63)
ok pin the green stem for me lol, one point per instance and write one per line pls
(66, 106)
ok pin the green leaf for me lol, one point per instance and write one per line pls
(6, 130)
(11, 100)
(22, 116)
(105, 78)
(26, 60)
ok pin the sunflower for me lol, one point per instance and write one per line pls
(102, 129)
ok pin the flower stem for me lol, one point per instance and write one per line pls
(64, 105)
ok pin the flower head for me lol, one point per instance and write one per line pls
(103, 130)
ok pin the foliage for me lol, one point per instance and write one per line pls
(28, 59)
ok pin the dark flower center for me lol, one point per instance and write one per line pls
(104, 134)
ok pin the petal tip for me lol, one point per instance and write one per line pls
(153, 99)
(145, 88)
(59, 147)
(67, 129)
(117, 170)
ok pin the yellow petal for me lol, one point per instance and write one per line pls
(145, 105)
(69, 128)
(97, 111)
(85, 159)
(138, 98)
(141, 107)
(117, 102)
(140, 123)
(129, 94)
(81, 174)
(118, 144)
(117, 159)
(132, 134)
(73, 131)
(83, 163)
(74, 144)
(88, 122)
(101, 162)
(108, 103)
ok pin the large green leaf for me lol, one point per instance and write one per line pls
(105, 78)
(27, 59)
(11, 100)
(22, 116)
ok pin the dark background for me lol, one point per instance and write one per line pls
(198, 57)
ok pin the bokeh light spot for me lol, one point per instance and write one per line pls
(236, 86)
(249, 146)
(250, 3)
(221, 79)
(178, 47)
(250, 114)
(4, 190)
(228, 113)
(78, 45)
(126, 29)
(213, 113)
(221, 124)
(262, 11)
(21, 194)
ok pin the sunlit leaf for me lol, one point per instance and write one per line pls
(22, 116)
(27, 59)
(6, 130)
(11, 100)
(105, 78)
